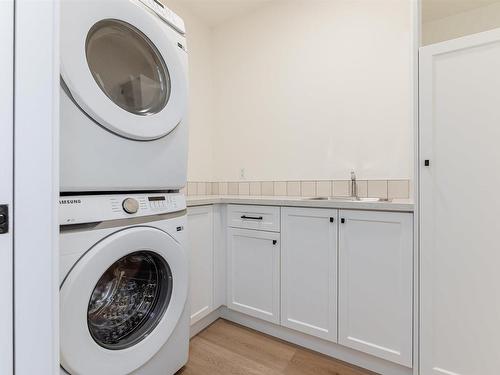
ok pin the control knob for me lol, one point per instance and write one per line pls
(130, 205)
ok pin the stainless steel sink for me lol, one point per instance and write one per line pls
(347, 199)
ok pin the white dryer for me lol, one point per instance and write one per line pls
(123, 284)
(123, 96)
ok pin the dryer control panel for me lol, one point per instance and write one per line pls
(96, 208)
(166, 14)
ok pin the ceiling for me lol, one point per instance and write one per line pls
(436, 9)
(215, 12)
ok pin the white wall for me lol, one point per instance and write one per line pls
(310, 89)
(200, 162)
(461, 24)
(301, 89)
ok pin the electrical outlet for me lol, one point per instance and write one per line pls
(242, 173)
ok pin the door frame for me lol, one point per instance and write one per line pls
(36, 187)
(6, 178)
(416, 37)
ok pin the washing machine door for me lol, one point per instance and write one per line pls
(121, 301)
(124, 67)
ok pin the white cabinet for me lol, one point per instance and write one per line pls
(201, 260)
(376, 283)
(309, 271)
(345, 276)
(459, 222)
(254, 273)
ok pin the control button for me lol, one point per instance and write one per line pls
(130, 205)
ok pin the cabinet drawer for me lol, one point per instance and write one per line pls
(254, 217)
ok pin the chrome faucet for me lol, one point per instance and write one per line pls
(354, 186)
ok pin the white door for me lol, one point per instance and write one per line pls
(460, 250)
(124, 67)
(201, 261)
(6, 181)
(254, 273)
(376, 283)
(122, 300)
(309, 271)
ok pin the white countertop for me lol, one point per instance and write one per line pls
(401, 205)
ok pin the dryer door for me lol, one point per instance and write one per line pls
(123, 66)
(121, 301)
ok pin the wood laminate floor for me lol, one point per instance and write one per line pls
(226, 348)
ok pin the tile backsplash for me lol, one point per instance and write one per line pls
(392, 189)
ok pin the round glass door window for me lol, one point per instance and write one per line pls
(128, 67)
(129, 300)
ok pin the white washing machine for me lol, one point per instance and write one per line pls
(123, 284)
(123, 96)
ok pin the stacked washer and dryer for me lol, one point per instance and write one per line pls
(123, 152)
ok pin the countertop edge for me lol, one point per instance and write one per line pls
(399, 205)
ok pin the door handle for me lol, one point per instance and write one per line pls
(244, 217)
(4, 219)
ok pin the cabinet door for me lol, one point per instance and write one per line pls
(309, 271)
(459, 222)
(254, 273)
(376, 283)
(201, 260)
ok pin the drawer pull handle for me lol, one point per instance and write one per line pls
(244, 217)
(275, 242)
